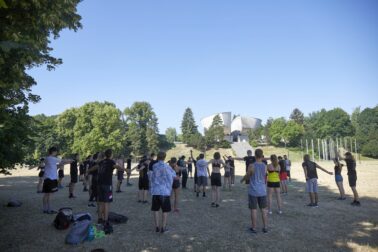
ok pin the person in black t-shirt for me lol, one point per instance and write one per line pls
(352, 176)
(92, 178)
(143, 168)
(120, 173)
(128, 170)
(249, 159)
(85, 166)
(105, 170)
(73, 174)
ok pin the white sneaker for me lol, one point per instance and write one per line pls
(280, 212)
(270, 212)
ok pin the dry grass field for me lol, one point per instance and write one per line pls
(334, 226)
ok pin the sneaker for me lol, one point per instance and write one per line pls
(51, 212)
(216, 205)
(71, 197)
(108, 229)
(91, 205)
(280, 212)
(315, 205)
(252, 230)
(157, 230)
(118, 191)
(204, 195)
(139, 201)
(129, 184)
(310, 205)
(85, 190)
(270, 212)
(357, 203)
(213, 204)
(176, 210)
(197, 194)
(265, 230)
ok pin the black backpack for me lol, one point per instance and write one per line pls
(63, 219)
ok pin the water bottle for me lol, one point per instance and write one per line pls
(91, 233)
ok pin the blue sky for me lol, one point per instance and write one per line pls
(257, 58)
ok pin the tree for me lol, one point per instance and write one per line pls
(276, 130)
(367, 132)
(26, 30)
(254, 136)
(292, 133)
(215, 134)
(197, 141)
(171, 134)
(188, 125)
(266, 129)
(297, 116)
(142, 128)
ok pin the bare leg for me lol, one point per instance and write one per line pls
(217, 194)
(46, 202)
(311, 198)
(270, 192)
(165, 217)
(264, 217)
(355, 194)
(254, 218)
(156, 219)
(279, 200)
(213, 192)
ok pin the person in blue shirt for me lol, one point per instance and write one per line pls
(162, 177)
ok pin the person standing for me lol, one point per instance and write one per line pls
(41, 168)
(195, 187)
(50, 183)
(176, 183)
(216, 178)
(352, 176)
(227, 172)
(339, 178)
(184, 171)
(73, 175)
(283, 175)
(257, 191)
(274, 183)
(202, 174)
(190, 167)
(288, 167)
(311, 176)
(143, 184)
(128, 170)
(120, 172)
(162, 178)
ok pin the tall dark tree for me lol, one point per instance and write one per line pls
(297, 116)
(25, 33)
(367, 132)
(188, 125)
(214, 135)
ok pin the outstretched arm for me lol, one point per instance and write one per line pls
(321, 168)
(249, 174)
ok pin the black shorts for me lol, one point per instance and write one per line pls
(50, 186)
(61, 174)
(176, 184)
(41, 174)
(227, 174)
(190, 169)
(254, 201)
(143, 183)
(81, 170)
(74, 178)
(352, 180)
(216, 179)
(274, 184)
(163, 202)
(105, 193)
(120, 175)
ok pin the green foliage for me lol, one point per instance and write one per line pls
(254, 136)
(215, 134)
(171, 134)
(297, 116)
(276, 130)
(367, 131)
(164, 144)
(293, 133)
(142, 131)
(329, 124)
(26, 30)
(197, 141)
(188, 125)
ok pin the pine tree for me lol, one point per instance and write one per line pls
(297, 116)
(188, 125)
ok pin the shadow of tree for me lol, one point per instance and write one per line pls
(334, 226)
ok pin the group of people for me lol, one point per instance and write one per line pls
(164, 179)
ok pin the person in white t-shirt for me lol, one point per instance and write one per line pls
(202, 174)
(288, 167)
(50, 183)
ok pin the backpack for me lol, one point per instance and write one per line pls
(63, 218)
(78, 232)
(117, 218)
(81, 216)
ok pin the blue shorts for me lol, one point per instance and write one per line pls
(338, 178)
